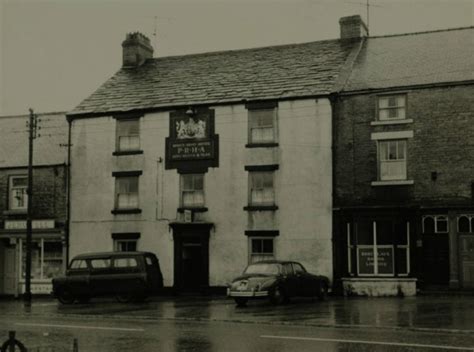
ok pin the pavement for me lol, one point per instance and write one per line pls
(444, 314)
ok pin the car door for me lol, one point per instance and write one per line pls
(100, 278)
(303, 282)
(290, 281)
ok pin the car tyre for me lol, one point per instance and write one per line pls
(125, 297)
(322, 291)
(241, 302)
(84, 299)
(65, 296)
(278, 296)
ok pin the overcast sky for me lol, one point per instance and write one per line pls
(53, 54)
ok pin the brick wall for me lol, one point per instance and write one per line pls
(49, 192)
(443, 143)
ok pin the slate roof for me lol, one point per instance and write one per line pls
(47, 149)
(414, 59)
(285, 71)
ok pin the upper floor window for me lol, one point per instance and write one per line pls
(192, 190)
(261, 188)
(392, 158)
(262, 126)
(391, 107)
(18, 192)
(126, 192)
(128, 135)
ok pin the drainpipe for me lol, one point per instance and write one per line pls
(68, 192)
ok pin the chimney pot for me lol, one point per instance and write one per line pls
(352, 27)
(136, 49)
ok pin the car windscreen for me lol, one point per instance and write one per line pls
(263, 268)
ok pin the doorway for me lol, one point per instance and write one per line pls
(191, 258)
(466, 256)
(9, 271)
(436, 259)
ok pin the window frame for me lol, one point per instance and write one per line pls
(182, 190)
(252, 254)
(391, 108)
(470, 218)
(381, 161)
(435, 217)
(21, 260)
(255, 173)
(250, 125)
(118, 242)
(118, 179)
(11, 196)
(118, 135)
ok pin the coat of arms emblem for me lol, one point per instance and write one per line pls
(192, 129)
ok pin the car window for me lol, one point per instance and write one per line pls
(298, 268)
(287, 269)
(263, 268)
(100, 263)
(79, 264)
(149, 261)
(125, 263)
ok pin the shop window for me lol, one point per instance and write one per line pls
(129, 245)
(391, 107)
(128, 135)
(192, 190)
(261, 249)
(46, 259)
(262, 126)
(126, 192)
(432, 224)
(377, 245)
(261, 188)
(392, 160)
(466, 223)
(18, 192)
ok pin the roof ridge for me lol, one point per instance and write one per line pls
(244, 49)
(36, 113)
(421, 32)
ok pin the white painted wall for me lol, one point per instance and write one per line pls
(303, 189)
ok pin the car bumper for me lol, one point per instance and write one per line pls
(248, 294)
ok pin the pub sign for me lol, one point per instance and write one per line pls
(192, 144)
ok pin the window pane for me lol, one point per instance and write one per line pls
(261, 125)
(441, 224)
(366, 261)
(383, 102)
(364, 232)
(385, 260)
(257, 246)
(128, 135)
(428, 225)
(393, 170)
(402, 150)
(198, 182)
(19, 181)
(384, 232)
(267, 246)
(100, 263)
(392, 150)
(125, 262)
(463, 224)
(383, 150)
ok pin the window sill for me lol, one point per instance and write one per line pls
(193, 209)
(261, 145)
(15, 212)
(127, 152)
(392, 183)
(391, 122)
(126, 211)
(261, 208)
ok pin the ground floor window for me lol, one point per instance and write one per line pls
(261, 248)
(378, 248)
(125, 245)
(46, 259)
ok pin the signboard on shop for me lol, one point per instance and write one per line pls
(35, 224)
(366, 260)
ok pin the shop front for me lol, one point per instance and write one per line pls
(48, 253)
(376, 254)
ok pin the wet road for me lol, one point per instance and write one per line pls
(190, 324)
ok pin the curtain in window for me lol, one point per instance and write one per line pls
(261, 125)
(127, 192)
(128, 135)
(262, 191)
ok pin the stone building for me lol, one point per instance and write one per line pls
(49, 202)
(404, 165)
(212, 160)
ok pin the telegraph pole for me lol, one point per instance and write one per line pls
(31, 137)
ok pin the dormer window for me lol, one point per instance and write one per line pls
(391, 107)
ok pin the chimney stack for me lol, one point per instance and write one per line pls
(136, 49)
(352, 27)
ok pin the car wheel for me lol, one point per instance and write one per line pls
(278, 296)
(65, 296)
(124, 297)
(322, 291)
(241, 302)
(84, 299)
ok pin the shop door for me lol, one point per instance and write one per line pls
(191, 266)
(436, 259)
(9, 278)
(466, 257)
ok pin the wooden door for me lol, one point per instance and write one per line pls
(10, 275)
(466, 257)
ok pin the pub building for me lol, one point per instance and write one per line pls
(48, 251)
(211, 161)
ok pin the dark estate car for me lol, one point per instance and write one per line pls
(127, 275)
(278, 281)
